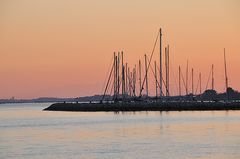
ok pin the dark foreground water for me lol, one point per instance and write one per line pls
(28, 132)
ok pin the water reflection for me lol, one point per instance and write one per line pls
(28, 132)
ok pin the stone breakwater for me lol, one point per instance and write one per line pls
(144, 106)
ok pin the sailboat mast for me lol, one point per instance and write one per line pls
(146, 74)
(126, 78)
(155, 65)
(134, 80)
(160, 40)
(123, 77)
(226, 77)
(140, 77)
(187, 79)
(225, 65)
(129, 82)
(179, 80)
(212, 77)
(192, 83)
(118, 74)
(200, 81)
(166, 71)
(114, 77)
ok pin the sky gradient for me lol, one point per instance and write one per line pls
(60, 48)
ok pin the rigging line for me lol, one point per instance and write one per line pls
(158, 83)
(111, 81)
(174, 77)
(120, 82)
(130, 81)
(164, 83)
(112, 87)
(109, 78)
(183, 81)
(106, 77)
(197, 85)
(208, 78)
(137, 76)
(149, 63)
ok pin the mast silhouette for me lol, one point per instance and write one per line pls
(166, 71)
(155, 66)
(200, 83)
(118, 74)
(129, 82)
(140, 78)
(187, 79)
(123, 77)
(115, 72)
(179, 80)
(134, 81)
(168, 59)
(146, 74)
(160, 48)
(226, 77)
(126, 79)
(192, 83)
(212, 77)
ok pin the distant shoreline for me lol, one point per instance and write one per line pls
(52, 100)
(208, 95)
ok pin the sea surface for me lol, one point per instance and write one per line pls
(27, 132)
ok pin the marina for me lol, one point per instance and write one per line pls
(127, 89)
(120, 79)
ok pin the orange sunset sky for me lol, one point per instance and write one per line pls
(63, 48)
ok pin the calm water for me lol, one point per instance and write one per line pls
(28, 132)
